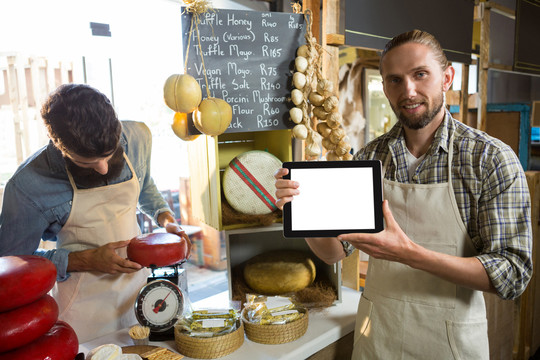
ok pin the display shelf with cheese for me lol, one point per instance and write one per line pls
(209, 156)
(244, 244)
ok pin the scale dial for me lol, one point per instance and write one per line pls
(158, 305)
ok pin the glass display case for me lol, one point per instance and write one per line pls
(379, 115)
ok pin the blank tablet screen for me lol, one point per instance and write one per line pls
(336, 197)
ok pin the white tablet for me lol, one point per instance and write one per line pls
(336, 197)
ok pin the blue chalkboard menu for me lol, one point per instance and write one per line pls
(249, 61)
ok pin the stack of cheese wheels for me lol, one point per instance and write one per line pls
(279, 272)
(29, 317)
(249, 183)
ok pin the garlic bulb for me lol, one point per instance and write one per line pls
(316, 98)
(319, 112)
(336, 135)
(296, 115)
(323, 129)
(313, 144)
(330, 103)
(332, 156)
(300, 131)
(301, 64)
(324, 86)
(328, 144)
(303, 51)
(334, 119)
(342, 148)
(297, 97)
(299, 80)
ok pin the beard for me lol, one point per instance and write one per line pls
(420, 121)
(88, 178)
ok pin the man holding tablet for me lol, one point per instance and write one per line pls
(457, 219)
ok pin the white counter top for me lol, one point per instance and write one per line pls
(325, 327)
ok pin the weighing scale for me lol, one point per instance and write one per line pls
(160, 302)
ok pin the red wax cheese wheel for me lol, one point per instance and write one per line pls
(59, 343)
(26, 323)
(24, 279)
(157, 249)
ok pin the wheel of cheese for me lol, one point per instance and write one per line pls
(105, 352)
(279, 272)
(157, 249)
(59, 343)
(24, 279)
(249, 183)
(27, 323)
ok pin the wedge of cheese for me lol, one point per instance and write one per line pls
(129, 357)
(105, 352)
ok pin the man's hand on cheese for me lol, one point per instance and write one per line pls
(166, 220)
(102, 259)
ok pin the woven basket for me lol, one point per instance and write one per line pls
(276, 334)
(209, 348)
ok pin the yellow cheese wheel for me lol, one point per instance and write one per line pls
(182, 93)
(279, 272)
(181, 126)
(213, 116)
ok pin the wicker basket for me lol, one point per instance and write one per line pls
(209, 348)
(276, 334)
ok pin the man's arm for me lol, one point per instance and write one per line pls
(103, 259)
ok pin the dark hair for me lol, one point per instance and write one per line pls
(419, 37)
(81, 120)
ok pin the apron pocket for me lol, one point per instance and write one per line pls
(363, 319)
(468, 340)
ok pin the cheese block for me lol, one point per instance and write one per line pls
(279, 272)
(105, 352)
(249, 183)
(26, 323)
(157, 249)
(59, 343)
(24, 279)
(129, 357)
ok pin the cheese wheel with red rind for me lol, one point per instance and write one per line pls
(24, 279)
(27, 323)
(59, 343)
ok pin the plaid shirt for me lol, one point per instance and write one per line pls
(491, 193)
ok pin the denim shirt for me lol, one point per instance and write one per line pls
(37, 198)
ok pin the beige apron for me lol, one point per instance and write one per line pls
(95, 303)
(406, 313)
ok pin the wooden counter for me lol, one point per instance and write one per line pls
(325, 328)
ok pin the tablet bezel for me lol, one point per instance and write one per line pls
(376, 167)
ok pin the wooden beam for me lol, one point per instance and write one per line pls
(484, 65)
(501, 9)
(464, 95)
(335, 39)
(315, 7)
(14, 100)
(500, 67)
(330, 25)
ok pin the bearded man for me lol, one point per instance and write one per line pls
(457, 214)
